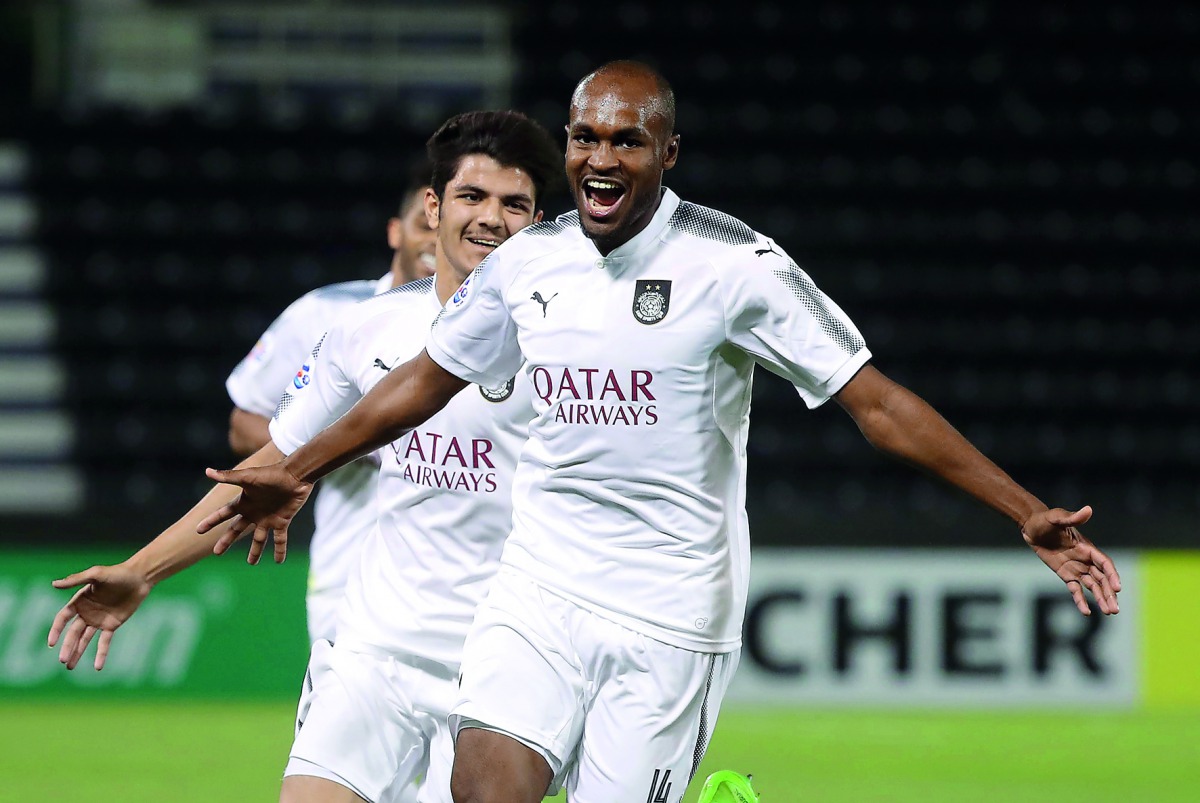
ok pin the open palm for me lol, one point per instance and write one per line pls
(1054, 536)
(109, 596)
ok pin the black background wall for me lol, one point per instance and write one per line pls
(1001, 195)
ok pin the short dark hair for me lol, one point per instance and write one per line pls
(416, 178)
(509, 137)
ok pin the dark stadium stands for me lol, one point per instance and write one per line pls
(1001, 195)
(997, 193)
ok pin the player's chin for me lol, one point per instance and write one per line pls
(601, 225)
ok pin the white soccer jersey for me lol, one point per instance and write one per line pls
(445, 488)
(344, 510)
(630, 494)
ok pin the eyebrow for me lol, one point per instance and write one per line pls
(633, 130)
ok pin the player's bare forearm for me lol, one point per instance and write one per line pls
(108, 595)
(178, 546)
(403, 399)
(895, 420)
(248, 432)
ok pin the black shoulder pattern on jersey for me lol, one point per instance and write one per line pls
(700, 221)
(812, 300)
(285, 401)
(423, 285)
(317, 348)
(356, 290)
(548, 228)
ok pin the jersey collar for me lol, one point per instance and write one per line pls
(384, 284)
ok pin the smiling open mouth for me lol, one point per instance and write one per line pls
(485, 242)
(602, 196)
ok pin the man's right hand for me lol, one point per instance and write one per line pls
(109, 596)
(271, 496)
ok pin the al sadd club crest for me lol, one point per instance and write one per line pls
(651, 300)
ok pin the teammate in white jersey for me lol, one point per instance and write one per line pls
(344, 510)
(374, 704)
(614, 622)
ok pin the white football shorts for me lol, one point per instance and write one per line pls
(617, 715)
(375, 724)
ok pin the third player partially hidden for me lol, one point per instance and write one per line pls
(600, 658)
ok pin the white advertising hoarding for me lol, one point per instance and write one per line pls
(931, 628)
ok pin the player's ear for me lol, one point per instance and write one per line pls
(671, 152)
(433, 208)
(537, 218)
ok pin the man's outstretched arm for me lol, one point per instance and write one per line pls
(898, 422)
(272, 495)
(111, 594)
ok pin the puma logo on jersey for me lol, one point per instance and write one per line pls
(538, 298)
(770, 249)
(380, 365)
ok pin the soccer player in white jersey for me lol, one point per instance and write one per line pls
(374, 704)
(609, 634)
(344, 511)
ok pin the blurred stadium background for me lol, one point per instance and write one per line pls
(1002, 195)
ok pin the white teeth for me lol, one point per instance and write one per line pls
(601, 184)
(478, 241)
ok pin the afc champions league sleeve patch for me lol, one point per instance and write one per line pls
(651, 300)
(460, 295)
(302, 377)
(500, 393)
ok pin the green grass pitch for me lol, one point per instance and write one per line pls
(184, 752)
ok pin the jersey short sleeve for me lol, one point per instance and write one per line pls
(777, 314)
(474, 337)
(255, 383)
(319, 393)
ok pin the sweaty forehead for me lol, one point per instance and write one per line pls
(619, 105)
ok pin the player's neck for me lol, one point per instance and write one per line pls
(398, 277)
(446, 281)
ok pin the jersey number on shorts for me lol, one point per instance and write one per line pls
(660, 790)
